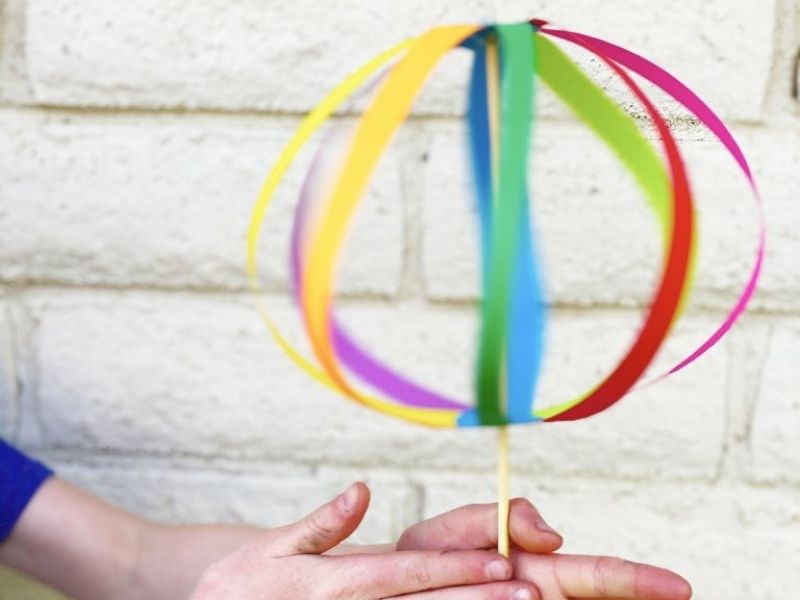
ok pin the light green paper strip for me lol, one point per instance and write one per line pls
(618, 131)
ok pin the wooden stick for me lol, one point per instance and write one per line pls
(502, 490)
(493, 92)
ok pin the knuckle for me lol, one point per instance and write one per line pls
(317, 525)
(414, 537)
(450, 527)
(521, 503)
(214, 582)
(617, 565)
(316, 530)
(495, 592)
(418, 571)
(607, 569)
(599, 583)
(341, 592)
(505, 591)
(524, 505)
(407, 540)
(524, 508)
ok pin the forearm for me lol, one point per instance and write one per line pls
(93, 551)
(75, 543)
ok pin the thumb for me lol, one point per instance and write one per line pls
(474, 527)
(326, 527)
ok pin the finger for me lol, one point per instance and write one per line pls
(475, 527)
(529, 531)
(576, 576)
(510, 590)
(398, 573)
(606, 598)
(326, 527)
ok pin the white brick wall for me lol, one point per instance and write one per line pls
(777, 418)
(265, 495)
(163, 202)
(133, 139)
(271, 56)
(8, 384)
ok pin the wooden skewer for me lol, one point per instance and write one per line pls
(502, 490)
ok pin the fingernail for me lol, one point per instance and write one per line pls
(522, 594)
(498, 569)
(541, 525)
(347, 500)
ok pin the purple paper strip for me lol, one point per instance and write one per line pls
(368, 368)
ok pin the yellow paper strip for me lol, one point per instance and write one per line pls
(391, 106)
(309, 125)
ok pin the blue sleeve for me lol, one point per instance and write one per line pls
(20, 477)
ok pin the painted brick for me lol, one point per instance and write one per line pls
(166, 204)
(266, 497)
(781, 105)
(8, 386)
(670, 430)
(163, 375)
(747, 343)
(775, 154)
(255, 55)
(265, 56)
(21, 339)
(14, 85)
(703, 45)
(694, 530)
(575, 182)
(584, 204)
(775, 445)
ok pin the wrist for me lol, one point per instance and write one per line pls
(140, 582)
(171, 559)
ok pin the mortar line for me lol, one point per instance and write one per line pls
(13, 375)
(720, 471)
(242, 296)
(751, 415)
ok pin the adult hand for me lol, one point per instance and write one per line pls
(287, 563)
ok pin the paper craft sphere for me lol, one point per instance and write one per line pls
(508, 62)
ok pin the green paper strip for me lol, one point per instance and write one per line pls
(517, 63)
